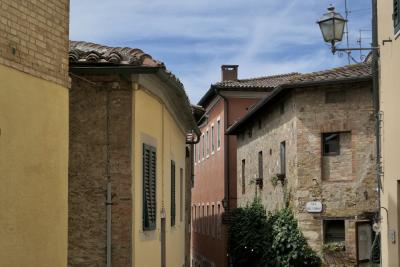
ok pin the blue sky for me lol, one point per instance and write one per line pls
(195, 37)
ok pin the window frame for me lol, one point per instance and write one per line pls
(325, 230)
(333, 153)
(282, 157)
(243, 176)
(218, 134)
(212, 139)
(148, 223)
(207, 144)
(202, 147)
(173, 194)
(260, 165)
(396, 16)
(181, 194)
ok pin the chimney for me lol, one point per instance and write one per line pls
(229, 72)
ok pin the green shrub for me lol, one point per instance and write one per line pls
(258, 240)
(289, 244)
(249, 235)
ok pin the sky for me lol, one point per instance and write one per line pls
(195, 37)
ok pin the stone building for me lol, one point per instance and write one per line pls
(130, 120)
(214, 189)
(34, 132)
(310, 145)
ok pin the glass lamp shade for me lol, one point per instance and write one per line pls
(332, 26)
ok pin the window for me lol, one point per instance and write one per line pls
(207, 220)
(207, 144)
(283, 157)
(219, 221)
(181, 194)
(203, 225)
(173, 196)
(149, 187)
(194, 218)
(198, 218)
(331, 144)
(195, 153)
(396, 17)
(334, 231)
(282, 108)
(260, 165)
(202, 148)
(335, 97)
(212, 139)
(243, 176)
(219, 134)
(198, 152)
(212, 221)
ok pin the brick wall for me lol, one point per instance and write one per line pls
(265, 135)
(95, 159)
(348, 192)
(34, 37)
(354, 195)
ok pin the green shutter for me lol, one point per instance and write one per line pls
(173, 203)
(396, 18)
(149, 187)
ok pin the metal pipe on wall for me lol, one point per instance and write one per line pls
(109, 195)
(109, 243)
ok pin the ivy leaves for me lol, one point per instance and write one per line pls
(258, 240)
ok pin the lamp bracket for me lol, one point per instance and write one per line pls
(334, 49)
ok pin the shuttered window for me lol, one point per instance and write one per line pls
(283, 157)
(396, 18)
(149, 187)
(173, 197)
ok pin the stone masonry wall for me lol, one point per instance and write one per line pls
(34, 37)
(266, 135)
(345, 184)
(351, 193)
(99, 105)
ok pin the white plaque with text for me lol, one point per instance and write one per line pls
(314, 206)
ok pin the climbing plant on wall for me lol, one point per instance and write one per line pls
(257, 239)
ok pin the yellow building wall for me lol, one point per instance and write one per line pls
(390, 95)
(153, 124)
(33, 171)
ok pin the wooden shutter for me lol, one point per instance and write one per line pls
(283, 158)
(260, 165)
(173, 204)
(149, 187)
(396, 18)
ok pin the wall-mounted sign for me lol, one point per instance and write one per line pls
(314, 206)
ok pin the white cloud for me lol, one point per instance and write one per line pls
(195, 37)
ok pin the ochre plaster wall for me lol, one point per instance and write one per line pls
(33, 171)
(162, 132)
(389, 94)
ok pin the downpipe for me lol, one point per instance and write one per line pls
(109, 222)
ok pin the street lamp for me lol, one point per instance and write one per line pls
(332, 27)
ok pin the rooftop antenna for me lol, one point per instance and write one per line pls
(347, 12)
(360, 40)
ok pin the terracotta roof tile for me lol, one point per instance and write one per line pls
(81, 52)
(85, 52)
(260, 82)
(360, 70)
(348, 73)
